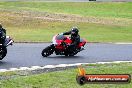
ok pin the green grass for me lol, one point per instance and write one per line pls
(121, 10)
(67, 78)
(7, 73)
(102, 22)
(87, 31)
(104, 33)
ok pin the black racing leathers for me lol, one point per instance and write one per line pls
(75, 40)
(2, 35)
(3, 30)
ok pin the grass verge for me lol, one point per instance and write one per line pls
(104, 9)
(39, 21)
(67, 78)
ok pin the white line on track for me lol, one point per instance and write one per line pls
(55, 66)
(122, 43)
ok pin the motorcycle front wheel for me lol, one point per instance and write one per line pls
(48, 51)
(3, 52)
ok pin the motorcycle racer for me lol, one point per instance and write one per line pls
(4, 42)
(75, 37)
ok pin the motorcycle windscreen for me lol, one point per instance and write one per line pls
(58, 39)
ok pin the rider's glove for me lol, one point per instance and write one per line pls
(61, 34)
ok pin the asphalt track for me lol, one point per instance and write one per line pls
(27, 55)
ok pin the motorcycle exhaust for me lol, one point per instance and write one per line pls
(82, 49)
(9, 43)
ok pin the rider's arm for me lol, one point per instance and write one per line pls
(67, 33)
(4, 30)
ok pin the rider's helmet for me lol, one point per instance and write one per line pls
(74, 31)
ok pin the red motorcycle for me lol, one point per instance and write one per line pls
(60, 46)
